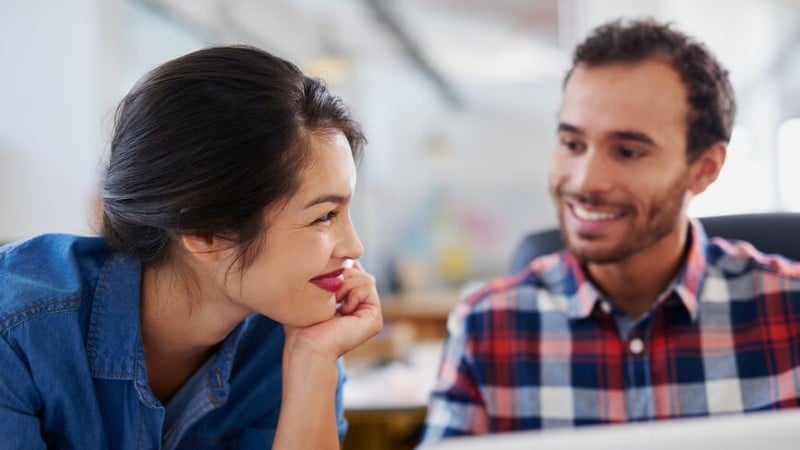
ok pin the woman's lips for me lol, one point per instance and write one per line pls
(331, 281)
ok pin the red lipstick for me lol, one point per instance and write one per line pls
(331, 281)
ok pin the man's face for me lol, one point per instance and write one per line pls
(619, 176)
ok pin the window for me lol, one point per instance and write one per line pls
(745, 183)
(788, 164)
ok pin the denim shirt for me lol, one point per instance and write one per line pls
(72, 366)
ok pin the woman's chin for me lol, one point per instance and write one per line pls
(324, 314)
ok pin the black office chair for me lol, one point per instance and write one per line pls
(768, 232)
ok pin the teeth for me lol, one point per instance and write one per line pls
(584, 214)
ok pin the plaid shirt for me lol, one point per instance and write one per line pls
(545, 349)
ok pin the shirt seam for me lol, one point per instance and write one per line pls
(94, 320)
(770, 270)
(40, 308)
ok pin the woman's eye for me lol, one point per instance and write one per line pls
(326, 218)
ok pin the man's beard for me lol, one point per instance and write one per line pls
(663, 216)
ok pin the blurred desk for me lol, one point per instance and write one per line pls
(391, 376)
(425, 312)
(386, 404)
(384, 429)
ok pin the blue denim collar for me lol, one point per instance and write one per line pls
(115, 349)
(114, 343)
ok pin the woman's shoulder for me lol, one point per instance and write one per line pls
(47, 273)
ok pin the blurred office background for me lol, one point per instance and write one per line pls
(458, 99)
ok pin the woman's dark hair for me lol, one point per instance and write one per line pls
(712, 105)
(206, 143)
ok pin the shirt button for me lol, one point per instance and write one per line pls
(636, 346)
(605, 307)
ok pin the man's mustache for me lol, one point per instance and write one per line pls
(589, 199)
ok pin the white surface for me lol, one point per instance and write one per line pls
(397, 385)
(766, 430)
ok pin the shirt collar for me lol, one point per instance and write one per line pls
(115, 349)
(692, 274)
(114, 343)
(583, 296)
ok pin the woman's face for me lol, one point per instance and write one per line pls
(294, 277)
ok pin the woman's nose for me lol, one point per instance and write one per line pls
(350, 246)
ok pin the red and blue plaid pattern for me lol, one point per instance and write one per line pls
(543, 349)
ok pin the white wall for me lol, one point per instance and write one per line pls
(50, 114)
(66, 65)
(443, 186)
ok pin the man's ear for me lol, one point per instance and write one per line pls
(707, 167)
(205, 247)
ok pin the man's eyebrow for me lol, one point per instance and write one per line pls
(328, 198)
(567, 128)
(634, 136)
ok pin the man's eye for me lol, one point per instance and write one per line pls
(571, 145)
(627, 153)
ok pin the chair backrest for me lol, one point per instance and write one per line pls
(769, 232)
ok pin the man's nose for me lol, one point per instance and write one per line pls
(592, 173)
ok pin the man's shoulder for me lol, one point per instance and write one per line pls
(47, 273)
(545, 278)
(733, 259)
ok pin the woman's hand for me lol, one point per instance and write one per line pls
(358, 319)
(308, 418)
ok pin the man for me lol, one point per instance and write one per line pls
(642, 317)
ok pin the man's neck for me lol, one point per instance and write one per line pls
(635, 283)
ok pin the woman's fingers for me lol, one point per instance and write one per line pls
(358, 286)
(358, 318)
(357, 298)
(360, 301)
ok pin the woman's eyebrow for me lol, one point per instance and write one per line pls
(328, 198)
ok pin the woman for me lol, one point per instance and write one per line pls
(213, 311)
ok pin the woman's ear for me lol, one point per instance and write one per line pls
(205, 248)
(707, 167)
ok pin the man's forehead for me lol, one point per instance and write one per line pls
(639, 85)
(655, 69)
